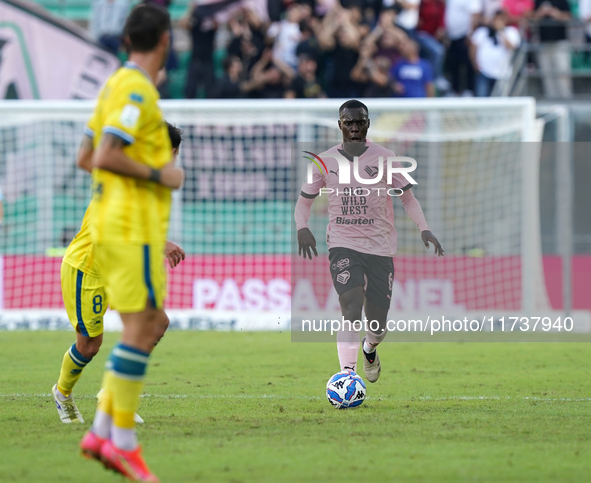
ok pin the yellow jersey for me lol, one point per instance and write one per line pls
(80, 254)
(129, 210)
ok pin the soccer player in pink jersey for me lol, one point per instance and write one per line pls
(361, 236)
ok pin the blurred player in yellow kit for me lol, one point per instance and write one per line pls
(132, 180)
(85, 299)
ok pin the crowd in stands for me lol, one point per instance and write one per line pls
(360, 48)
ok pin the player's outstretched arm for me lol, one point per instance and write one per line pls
(110, 157)
(84, 156)
(173, 253)
(306, 241)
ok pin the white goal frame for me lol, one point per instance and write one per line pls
(302, 112)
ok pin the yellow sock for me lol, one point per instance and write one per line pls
(103, 419)
(126, 400)
(105, 402)
(128, 367)
(72, 366)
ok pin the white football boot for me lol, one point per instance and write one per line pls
(66, 409)
(371, 364)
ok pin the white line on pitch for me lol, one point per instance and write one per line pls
(275, 396)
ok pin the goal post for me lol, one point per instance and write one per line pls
(478, 185)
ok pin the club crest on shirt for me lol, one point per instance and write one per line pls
(343, 277)
(372, 171)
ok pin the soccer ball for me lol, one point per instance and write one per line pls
(345, 390)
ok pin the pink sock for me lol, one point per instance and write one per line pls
(348, 344)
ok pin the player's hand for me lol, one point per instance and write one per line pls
(171, 176)
(306, 243)
(427, 237)
(173, 253)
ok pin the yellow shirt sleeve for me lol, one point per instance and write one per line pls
(131, 106)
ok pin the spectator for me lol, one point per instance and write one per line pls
(202, 30)
(461, 16)
(408, 16)
(268, 78)
(554, 54)
(412, 76)
(248, 39)
(387, 37)
(431, 35)
(172, 62)
(229, 86)
(309, 41)
(489, 10)
(374, 73)
(491, 51)
(286, 34)
(341, 35)
(305, 85)
(106, 22)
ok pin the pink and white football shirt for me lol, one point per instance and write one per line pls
(361, 216)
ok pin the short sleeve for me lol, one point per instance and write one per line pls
(478, 35)
(132, 104)
(311, 190)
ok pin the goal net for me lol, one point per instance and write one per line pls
(477, 182)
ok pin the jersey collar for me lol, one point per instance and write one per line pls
(133, 65)
(348, 156)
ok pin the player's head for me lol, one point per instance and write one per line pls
(147, 29)
(354, 121)
(176, 137)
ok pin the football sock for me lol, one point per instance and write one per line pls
(101, 425)
(72, 366)
(103, 418)
(371, 357)
(367, 348)
(128, 368)
(126, 439)
(348, 344)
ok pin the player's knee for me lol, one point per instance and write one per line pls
(165, 323)
(89, 346)
(161, 328)
(351, 307)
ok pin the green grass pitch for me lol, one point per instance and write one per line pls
(250, 407)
